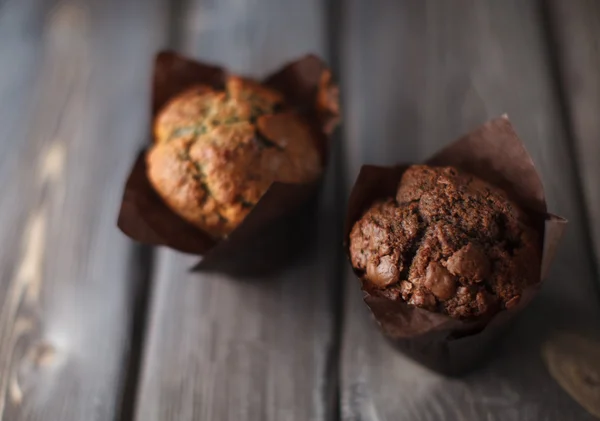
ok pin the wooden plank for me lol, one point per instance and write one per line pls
(16, 86)
(417, 75)
(73, 111)
(575, 30)
(246, 349)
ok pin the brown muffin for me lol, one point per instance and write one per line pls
(217, 152)
(449, 243)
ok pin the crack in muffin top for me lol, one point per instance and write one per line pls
(448, 242)
(217, 152)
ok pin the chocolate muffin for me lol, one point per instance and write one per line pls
(217, 152)
(449, 243)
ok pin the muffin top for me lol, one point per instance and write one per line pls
(217, 152)
(448, 242)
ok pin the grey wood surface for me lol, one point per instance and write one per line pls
(73, 88)
(297, 345)
(574, 32)
(576, 36)
(417, 74)
(220, 348)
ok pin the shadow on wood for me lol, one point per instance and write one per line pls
(285, 243)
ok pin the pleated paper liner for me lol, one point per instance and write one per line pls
(494, 153)
(264, 237)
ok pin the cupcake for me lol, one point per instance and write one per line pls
(230, 159)
(449, 252)
(216, 152)
(447, 242)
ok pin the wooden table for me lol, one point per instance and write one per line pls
(95, 327)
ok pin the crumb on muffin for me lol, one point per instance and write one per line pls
(448, 242)
(217, 152)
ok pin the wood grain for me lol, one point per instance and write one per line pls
(417, 74)
(575, 28)
(73, 103)
(257, 348)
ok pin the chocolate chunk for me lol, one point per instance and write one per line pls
(470, 262)
(384, 272)
(439, 281)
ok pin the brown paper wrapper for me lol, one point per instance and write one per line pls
(308, 88)
(494, 153)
